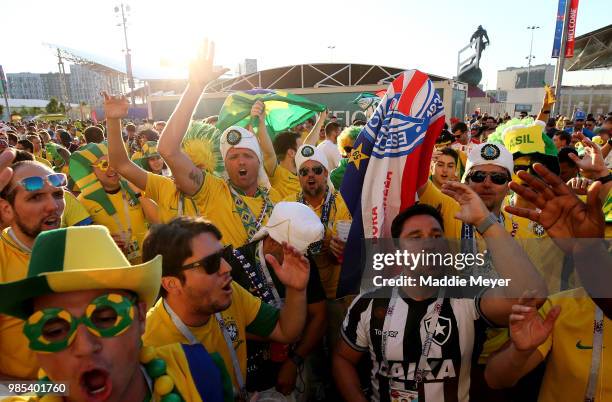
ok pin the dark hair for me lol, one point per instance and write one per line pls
(22, 156)
(459, 126)
(27, 145)
(311, 121)
(12, 137)
(65, 138)
(564, 156)
(416, 209)
(563, 136)
(149, 134)
(331, 127)
(93, 134)
(450, 152)
(445, 136)
(173, 242)
(284, 142)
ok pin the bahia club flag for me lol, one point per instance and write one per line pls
(283, 110)
(389, 162)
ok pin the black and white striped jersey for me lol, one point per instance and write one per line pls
(457, 342)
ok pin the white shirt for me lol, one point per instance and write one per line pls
(332, 152)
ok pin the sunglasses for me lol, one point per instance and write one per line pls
(102, 165)
(36, 183)
(54, 329)
(496, 177)
(212, 263)
(317, 170)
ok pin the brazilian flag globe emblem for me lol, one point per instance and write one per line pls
(308, 151)
(234, 137)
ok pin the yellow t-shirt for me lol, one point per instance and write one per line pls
(163, 191)
(177, 367)
(247, 313)
(138, 225)
(43, 161)
(214, 201)
(74, 211)
(329, 267)
(285, 182)
(136, 155)
(16, 359)
(570, 347)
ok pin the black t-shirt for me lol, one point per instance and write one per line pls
(262, 372)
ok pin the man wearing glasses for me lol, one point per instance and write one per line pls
(201, 304)
(32, 202)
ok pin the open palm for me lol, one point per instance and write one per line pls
(201, 69)
(473, 210)
(559, 210)
(528, 329)
(295, 270)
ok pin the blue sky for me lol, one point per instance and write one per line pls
(407, 34)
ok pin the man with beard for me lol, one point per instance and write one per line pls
(201, 304)
(84, 308)
(421, 341)
(32, 202)
(318, 193)
(241, 204)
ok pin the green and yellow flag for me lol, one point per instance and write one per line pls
(283, 110)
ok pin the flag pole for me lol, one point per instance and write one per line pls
(561, 61)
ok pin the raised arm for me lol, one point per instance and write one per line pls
(509, 259)
(313, 135)
(188, 177)
(115, 108)
(258, 112)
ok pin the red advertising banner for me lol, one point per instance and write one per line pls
(571, 29)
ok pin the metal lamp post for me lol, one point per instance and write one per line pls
(530, 57)
(121, 11)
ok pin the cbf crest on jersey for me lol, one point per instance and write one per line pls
(390, 160)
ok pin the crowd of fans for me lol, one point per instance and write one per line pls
(192, 284)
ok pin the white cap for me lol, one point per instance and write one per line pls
(294, 223)
(307, 153)
(238, 137)
(488, 154)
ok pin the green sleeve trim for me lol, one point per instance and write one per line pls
(265, 321)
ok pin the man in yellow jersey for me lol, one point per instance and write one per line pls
(201, 304)
(284, 179)
(31, 202)
(170, 201)
(108, 198)
(84, 309)
(243, 202)
(318, 193)
(571, 331)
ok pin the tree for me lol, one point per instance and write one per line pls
(1, 110)
(36, 110)
(62, 107)
(52, 106)
(24, 110)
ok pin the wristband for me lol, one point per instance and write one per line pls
(489, 221)
(296, 359)
(605, 179)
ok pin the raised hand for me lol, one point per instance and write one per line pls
(258, 109)
(295, 270)
(528, 329)
(201, 69)
(580, 185)
(473, 210)
(115, 107)
(6, 159)
(557, 208)
(592, 163)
